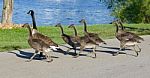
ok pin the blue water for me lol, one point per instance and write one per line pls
(51, 12)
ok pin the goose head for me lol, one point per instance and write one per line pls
(25, 25)
(120, 23)
(116, 23)
(31, 12)
(58, 25)
(118, 27)
(82, 21)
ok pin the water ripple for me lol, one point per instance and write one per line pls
(50, 12)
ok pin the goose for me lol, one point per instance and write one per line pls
(84, 42)
(34, 30)
(127, 39)
(44, 38)
(38, 45)
(92, 36)
(68, 39)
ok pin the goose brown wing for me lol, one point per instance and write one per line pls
(132, 35)
(86, 40)
(95, 38)
(37, 44)
(70, 39)
(91, 34)
(45, 39)
(128, 36)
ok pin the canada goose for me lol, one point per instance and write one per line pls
(38, 45)
(68, 39)
(31, 12)
(92, 36)
(84, 42)
(127, 39)
(42, 37)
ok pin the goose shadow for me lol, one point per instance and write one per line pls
(90, 50)
(102, 51)
(137, 29)
(27, 55)
(115, 48)
(113, 52)
(70, 52)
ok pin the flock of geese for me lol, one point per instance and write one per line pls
(44, 44)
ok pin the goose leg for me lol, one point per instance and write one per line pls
(81, 49)
(115, 54)
(136, 51)
(41, 54)
(121, 47)
(75, 50)
(68, 50)
(32, 56)
(139, 49)
(48, 57)
(94, 52)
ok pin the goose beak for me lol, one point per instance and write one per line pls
(79, 21)
(28, 12)
(24, 25)
(57, 25)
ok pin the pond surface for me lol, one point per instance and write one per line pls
(51, 12)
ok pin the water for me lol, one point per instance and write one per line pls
(51, 12)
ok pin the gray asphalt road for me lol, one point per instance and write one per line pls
(13, 65)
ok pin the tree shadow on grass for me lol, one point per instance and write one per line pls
(143, 31)
(137, 29)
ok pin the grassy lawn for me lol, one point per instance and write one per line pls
(11, 39)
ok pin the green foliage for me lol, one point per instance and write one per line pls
(130, 11)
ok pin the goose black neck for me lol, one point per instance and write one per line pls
(62, 31)
(117, 28)
(85, 27)
(122, 27)
(75, 31)
(30, 32)
(33, 21)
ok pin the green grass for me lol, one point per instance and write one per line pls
(11, 39)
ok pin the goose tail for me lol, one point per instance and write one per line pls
(57, 49)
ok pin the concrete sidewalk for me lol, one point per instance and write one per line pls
(13, 65)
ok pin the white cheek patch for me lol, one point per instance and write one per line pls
(54, 48)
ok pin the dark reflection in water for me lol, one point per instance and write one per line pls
(50, 12)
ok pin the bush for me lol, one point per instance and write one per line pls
(130, 11)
